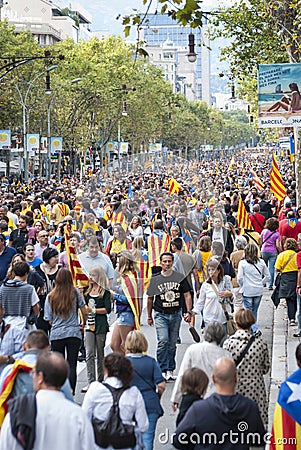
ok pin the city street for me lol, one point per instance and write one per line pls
(166, 424)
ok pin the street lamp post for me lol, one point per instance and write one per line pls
(23, 100)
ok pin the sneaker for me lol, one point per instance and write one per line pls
(170, 376)
(81, 358)
(297, 334)
(292, 322)
(195, 335)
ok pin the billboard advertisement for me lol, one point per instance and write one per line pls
(279, 98)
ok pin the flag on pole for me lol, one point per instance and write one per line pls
(243, 220)
(130, 191)
(286, 430)
(276, 183)
(174, 187)
(257, 182)
(231, 165)
(79, 278)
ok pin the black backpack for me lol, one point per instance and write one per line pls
(113, 431)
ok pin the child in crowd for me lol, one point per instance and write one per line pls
(194, 384)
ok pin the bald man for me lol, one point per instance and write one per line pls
(224, 420)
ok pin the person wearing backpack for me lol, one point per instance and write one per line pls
(116, 410)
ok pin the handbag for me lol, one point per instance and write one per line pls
(230, 323)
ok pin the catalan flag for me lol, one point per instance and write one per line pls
(286, 431)
(8, 385)
(243, 220)
(217, 169)
(186, 236)
(79, 278)
(130, 287)
(257, 182)
(231, 165)
(157, 243)
(119, 217)
(276, 183)
(174, 187)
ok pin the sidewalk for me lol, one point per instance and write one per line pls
(283, 354)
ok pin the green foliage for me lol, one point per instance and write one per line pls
(90, 109)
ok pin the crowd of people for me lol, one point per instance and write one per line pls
(182, 256)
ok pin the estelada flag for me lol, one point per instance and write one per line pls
(174, 187)
(257, 182)
(9, 383)
(157, 244)
(130, 287)
(286, 431)
(243, 220)
(276, 183)
(80, 279)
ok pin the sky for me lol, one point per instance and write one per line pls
(104, 12)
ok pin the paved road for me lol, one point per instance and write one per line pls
(166, 424)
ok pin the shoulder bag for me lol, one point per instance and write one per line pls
(244, 351)
(230, 323)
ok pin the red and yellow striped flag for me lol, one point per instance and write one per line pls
(118, 217)
(276, 183)
(174, 187)
(8, 385)
(130, 287)
(157, 245)
(80, 279)
(286, 431)
(243, 220)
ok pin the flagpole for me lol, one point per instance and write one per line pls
(297, 139)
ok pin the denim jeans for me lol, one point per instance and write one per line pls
(149, 435)
(167, 329)
(252, 303)
(270, 259)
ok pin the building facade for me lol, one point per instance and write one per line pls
(167, 45)
(45, 20)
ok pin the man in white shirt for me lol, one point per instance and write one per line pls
(93, 257)
(59, 423)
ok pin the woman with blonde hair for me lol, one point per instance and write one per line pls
(201, 256)
(126, 295)
(61, 311)
(98, 301)
(252, 276)
(149, 380)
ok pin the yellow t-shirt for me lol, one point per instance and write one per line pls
(282, 258)
(94, 227)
